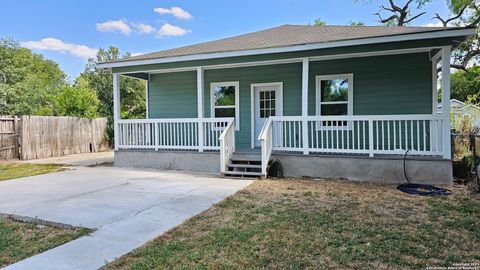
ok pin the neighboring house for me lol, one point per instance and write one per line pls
(326, 101)
(460, 110)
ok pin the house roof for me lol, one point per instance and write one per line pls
(454, 103)
(459, 105)
(287, 36)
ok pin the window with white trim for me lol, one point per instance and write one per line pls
(225, 101)
(334, 96)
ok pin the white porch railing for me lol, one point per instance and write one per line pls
(227, 145)
(369, 134)
(171, 134)
(265, 138)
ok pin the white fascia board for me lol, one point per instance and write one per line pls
(306, 47)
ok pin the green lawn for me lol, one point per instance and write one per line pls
(18, 170)
(297, 224)
(20, 240)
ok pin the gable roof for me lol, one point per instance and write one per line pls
(287, 36)
(458, 105)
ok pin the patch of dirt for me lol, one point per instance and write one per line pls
(104, 164)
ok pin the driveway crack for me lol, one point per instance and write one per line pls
(169, 200)
(150, 207)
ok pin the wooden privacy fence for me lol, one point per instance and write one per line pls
(52, 136)
(9, 137)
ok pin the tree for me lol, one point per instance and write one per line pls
(78, 100)
(28, 81)
(132, 91)
(401, 15)
(319, 22)
(463, 13)
(33, 85)
(355, 23)
(465, 85)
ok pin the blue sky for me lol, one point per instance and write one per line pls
(68, 31)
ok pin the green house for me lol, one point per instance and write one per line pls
(323, 101)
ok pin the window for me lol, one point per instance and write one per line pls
(334, 96)
(267, 103)
(225, 101)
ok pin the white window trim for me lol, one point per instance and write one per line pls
(318, 101)
(237, 100)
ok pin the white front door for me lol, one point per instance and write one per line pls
(268, 101)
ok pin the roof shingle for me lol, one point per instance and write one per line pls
(286, 35)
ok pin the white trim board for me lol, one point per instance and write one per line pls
(235, 84)
(318, 93)
(147, 95)
(304, 47)
(290, 60)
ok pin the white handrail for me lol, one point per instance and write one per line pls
(174, 120)
(360, 117)
(265, 138)
(227, 145)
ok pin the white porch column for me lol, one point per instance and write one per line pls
(147, 90)
(434, 134)
(116, 108)
(200, 107)
(446, 54)
(434, 85)
(305, 73)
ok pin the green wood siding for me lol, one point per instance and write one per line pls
(173, 95)
(396, 84)
(289, 74)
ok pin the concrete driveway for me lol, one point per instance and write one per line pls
(86, 159)
(128, 208)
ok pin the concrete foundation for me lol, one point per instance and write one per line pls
(378, 169)
(169, 160)
(388, 169)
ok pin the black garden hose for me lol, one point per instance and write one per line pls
(420, 189)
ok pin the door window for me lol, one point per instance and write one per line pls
(267, 104)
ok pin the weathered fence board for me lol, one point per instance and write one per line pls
(49, 136)
(9, 135)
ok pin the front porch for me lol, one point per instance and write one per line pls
(360, 136)
(370, 136)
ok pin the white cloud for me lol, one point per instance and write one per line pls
(112, 26)
(137, 53)
(53, 44)
(145, 28)
(437, 24)
(168, 30)
(178, 12)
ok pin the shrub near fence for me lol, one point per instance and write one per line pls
(466, 154)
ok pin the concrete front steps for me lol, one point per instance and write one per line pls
(245, 164)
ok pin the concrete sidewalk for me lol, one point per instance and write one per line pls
(128, 208)
(87, 159)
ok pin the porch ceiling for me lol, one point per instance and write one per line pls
(139, 75)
